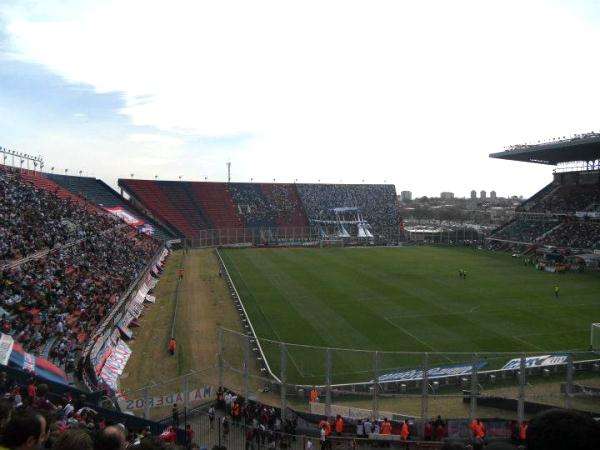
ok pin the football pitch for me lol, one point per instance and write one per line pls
(408, 299)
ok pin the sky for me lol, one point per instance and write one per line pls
(414, 93)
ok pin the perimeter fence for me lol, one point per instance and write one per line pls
(360, 384)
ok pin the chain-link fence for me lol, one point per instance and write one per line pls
(409, 384)
(305, 384)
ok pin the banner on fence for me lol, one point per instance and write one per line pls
(434, 372)
(206, 392)
(125, 216)
(115, 364)
(536, 361)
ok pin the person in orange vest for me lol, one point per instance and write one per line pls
(386, 427)
(181, 274)
(325, 428)
(314, 395)
(172, 346)
(404, 431)
(523, 433)
(478, 430)
(339, 425)
(325, 423)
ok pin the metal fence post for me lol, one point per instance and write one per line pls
(521, 397)
(569, 384)
(283, 377)
(220, 356)
(146, 403)
(328, 382)
(424, 395)
(375, 408)
(246, 366)
(474, 389)
(186, 392)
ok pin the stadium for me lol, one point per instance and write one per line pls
(151, 300)
(272, 291)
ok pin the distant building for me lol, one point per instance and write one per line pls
(493, 195)
(483, 195)
(473, 194)
(447, 195)
(406, 196)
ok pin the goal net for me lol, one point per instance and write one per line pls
(595, 337)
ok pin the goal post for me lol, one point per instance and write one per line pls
(595, 337)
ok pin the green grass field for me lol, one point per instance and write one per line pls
(407, 300)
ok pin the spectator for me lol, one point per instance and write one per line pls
(562, 429)
(73, 440)
(111, 438)
(25, 431)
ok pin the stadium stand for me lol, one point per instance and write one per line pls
(194, 206)
(98, 192)
(252, 205)
(378, 202)
(215, 200)
(530, 202)
(562, 214)
(567, 199)
(285, 204)
(152, 198)
(525, 230)
(35, 218)
(62, 293)
(576, 235)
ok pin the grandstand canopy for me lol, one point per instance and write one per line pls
(580, 148)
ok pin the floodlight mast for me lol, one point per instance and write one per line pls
(228, 172)
(22, 158)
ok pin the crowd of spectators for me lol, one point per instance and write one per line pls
(575, 235)
(267, 205)
(284, 204)
(525, 230)
(33, 219)
(60, 297)
(262, 423)
(567, 199)
(252, 204)
(377, 203)
(31, 420)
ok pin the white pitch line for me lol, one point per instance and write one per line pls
(405, 331)
(517, 338)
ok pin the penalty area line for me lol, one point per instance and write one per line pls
(405, 331)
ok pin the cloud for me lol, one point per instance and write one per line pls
(332, 90)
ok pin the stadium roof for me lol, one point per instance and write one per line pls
(578, 148)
